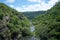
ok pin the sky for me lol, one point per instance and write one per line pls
(30, 5)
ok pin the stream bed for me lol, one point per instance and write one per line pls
(32, 29)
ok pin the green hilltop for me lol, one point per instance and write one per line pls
(13, 24)
(32, 14)
(47, 26)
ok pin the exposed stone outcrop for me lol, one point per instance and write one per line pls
(4, 31)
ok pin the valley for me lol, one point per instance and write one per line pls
(38, 25)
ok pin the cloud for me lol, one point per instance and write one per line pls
(37, 7)
(11, 6)
(10, 1)
(35, 1)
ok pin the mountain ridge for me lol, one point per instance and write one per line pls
(47, 26)
(13, 24)
(31, 15)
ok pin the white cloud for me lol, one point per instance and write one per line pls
(10, 1)
(11, 6)
(35, 0)
(37, 7)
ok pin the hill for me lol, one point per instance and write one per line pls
(48, 24)
(32, 15)
(13, 24)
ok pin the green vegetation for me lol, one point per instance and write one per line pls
(13, 23)
(32, 15)
(48, 24)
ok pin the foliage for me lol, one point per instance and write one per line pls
(48, 24)
(15, 21)
(33, 14)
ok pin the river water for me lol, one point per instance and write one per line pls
(32, 28)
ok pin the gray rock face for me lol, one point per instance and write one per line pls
(4, 31)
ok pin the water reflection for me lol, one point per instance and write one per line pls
(32, 27)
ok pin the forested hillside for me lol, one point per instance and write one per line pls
(48, 24)
(13, 24)
(33, 14)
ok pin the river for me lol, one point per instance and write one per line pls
(32, 28)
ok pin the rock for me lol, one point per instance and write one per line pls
(4, 31)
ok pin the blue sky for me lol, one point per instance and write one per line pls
(30, 5)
